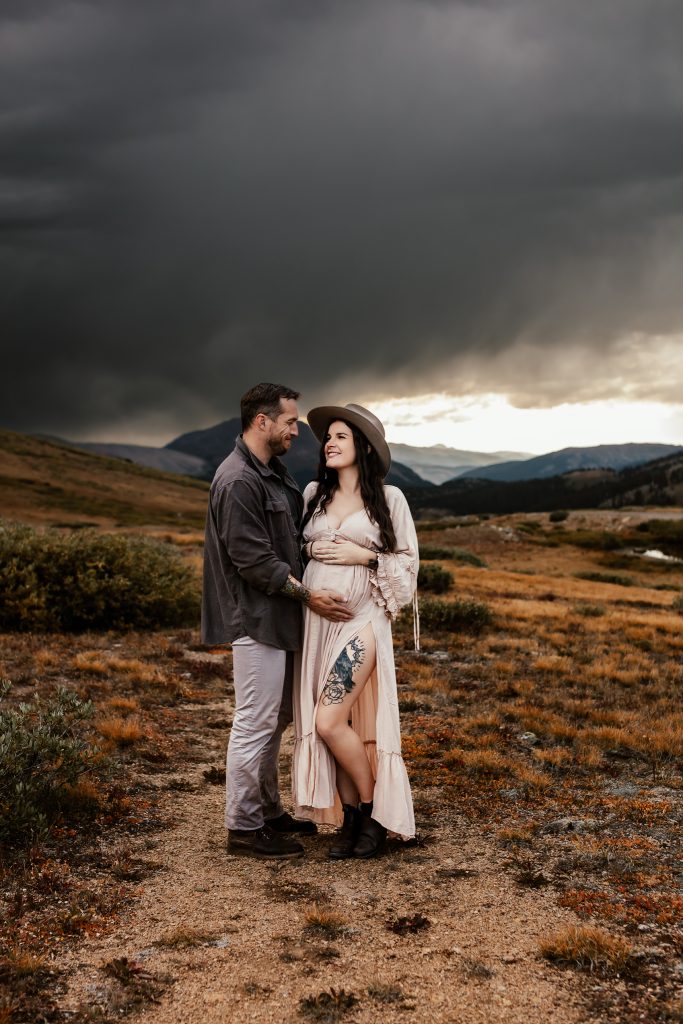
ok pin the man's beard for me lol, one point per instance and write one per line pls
(276, 446)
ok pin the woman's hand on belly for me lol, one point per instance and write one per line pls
(342, 552)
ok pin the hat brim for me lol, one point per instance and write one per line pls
(320, 418)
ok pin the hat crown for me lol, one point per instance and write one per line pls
(366, 414)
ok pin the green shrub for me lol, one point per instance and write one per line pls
(663, 531)
(558, 516)
(594, 540)
(456, 616)
(55, 582)
(428, 552)
(589, 611)
(606, 577)
(529, 526)
(435, 579)
(43, 756)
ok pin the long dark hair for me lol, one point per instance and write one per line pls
(370, 478)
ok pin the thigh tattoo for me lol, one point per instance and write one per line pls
(340, 680)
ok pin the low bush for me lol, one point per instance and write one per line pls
(606, 577)
(46, 765)
(589, 611)
(593, 540)
(430, 552)
(457, 616)
(558, 516)
(529, 526)
(55, 582)
(664, 532)
(678, 603)
(435, 579)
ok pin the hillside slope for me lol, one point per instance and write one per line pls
(48, 482)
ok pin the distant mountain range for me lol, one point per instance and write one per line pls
(659, 482)
(199, 453)
(440, 463)
(214, 443)
(603, 456)
(44, 479)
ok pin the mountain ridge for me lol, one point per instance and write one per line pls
(659, 482)
(565, 460)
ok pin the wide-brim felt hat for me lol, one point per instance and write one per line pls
(320, 418)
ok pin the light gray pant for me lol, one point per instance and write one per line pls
(263, 709)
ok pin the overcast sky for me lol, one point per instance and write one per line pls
(365, 200)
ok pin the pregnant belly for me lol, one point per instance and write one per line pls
(351, 581)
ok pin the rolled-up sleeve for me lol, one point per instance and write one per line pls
(239, 515)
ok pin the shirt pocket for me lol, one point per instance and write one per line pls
(278, 518)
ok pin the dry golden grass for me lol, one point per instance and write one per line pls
(519, 836)
(122, 731)
(125, 704)
(589, 948)
(194, 539)
(22, 962)
(319, 918)
(555, 757)
(184, 937)
(553, 663)
(135, 670)
(45, 659)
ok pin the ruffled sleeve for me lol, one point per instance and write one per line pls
(394, 581)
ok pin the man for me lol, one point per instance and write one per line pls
(252, 599)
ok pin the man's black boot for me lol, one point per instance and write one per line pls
(345, 838)
(371, 835)
(292, 826)
(263, 842)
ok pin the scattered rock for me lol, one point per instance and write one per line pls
(403, 925)
(455, 873)
(621, 788)
(560, 825)
(529, 737)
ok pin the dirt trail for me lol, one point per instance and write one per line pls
(477, 961)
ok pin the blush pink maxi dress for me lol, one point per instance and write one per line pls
(374, 597)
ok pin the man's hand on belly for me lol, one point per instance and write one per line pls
(327, 603)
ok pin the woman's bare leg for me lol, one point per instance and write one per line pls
(346, 787)
(345, 683)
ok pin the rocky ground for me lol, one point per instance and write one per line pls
(239, 939)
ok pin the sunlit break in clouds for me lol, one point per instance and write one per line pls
(488, 423)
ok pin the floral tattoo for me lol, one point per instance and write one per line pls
(340, 680)
(292, 588)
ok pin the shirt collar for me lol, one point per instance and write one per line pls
(274, 468)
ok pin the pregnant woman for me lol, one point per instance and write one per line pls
(360, 538)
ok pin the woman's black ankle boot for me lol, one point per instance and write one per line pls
(345, 838)
(371, 835)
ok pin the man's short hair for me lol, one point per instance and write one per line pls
(264, 398)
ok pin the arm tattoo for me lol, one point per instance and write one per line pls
(340, 680)
(292, 588)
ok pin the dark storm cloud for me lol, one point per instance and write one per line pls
(353, 198)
